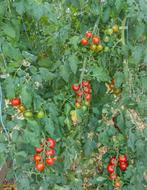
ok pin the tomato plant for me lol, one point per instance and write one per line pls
(73, 85)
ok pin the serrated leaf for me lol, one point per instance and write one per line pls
(100, 74)
(26, 96)
(73, 62)
(46, 75)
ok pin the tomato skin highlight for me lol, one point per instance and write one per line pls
(96, 40)
(15, 102)
(49, 161)
(40, 166)
(76, 87)
(52, 142)
(84, 41)
(88, 34)
(110, 168)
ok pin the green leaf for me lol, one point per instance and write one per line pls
(100, 74)
(46, 75)
(27, 96)
(73, 62)
(28, 56)
(10, 87)
(49, 126)
(65, 72)
(9, 30)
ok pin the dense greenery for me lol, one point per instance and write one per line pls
(40, 58)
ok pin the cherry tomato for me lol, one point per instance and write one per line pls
(52, 142)
(15, 101)
(40, 114)
(40, 166)
(88, 97)
(110, 168)
(122, 158)
(96, 40)
(117, 184)
(88, 34)
(106, 39)
(78, 105)
(76, 87)
(37, 157)
(21, 108)
(117, 91)
(99, 47)
(28, 114)
(93, 47)
(123, 165)
(84, 41)
(85, 83)
(113, 176)
(106, 49)
(109, 31)
(115, 28)
(50, 152)
(84, 108)
(113, 161)
(38, 150)
(50, 161)
(87, 90)
(80, 93)
(87, 103)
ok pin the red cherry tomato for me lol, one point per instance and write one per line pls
(87, 90)
(52, 142)
(88, 97)
(88, 34)
(50, 161)
(113, 176)
(123, 165)
(37, 157)
(84, 41)
(38, 150)
(110, 168)
(122, 158)
(76, 87)
(50, 152)
(96, 40)
(80, 93)
(40, 166)
(85, 83)
(113, 161)
(15, 102)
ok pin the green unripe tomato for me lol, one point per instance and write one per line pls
(84, 108)
(28, 114)
(106, 49)
(99, 47)
(40, 114)
(93, 47)
(109, 31)
(106, 39)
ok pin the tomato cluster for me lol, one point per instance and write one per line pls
(121, 162)
(16, 102)
(83, 92)
(97, 44)
(93, 41)
(44, 154)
